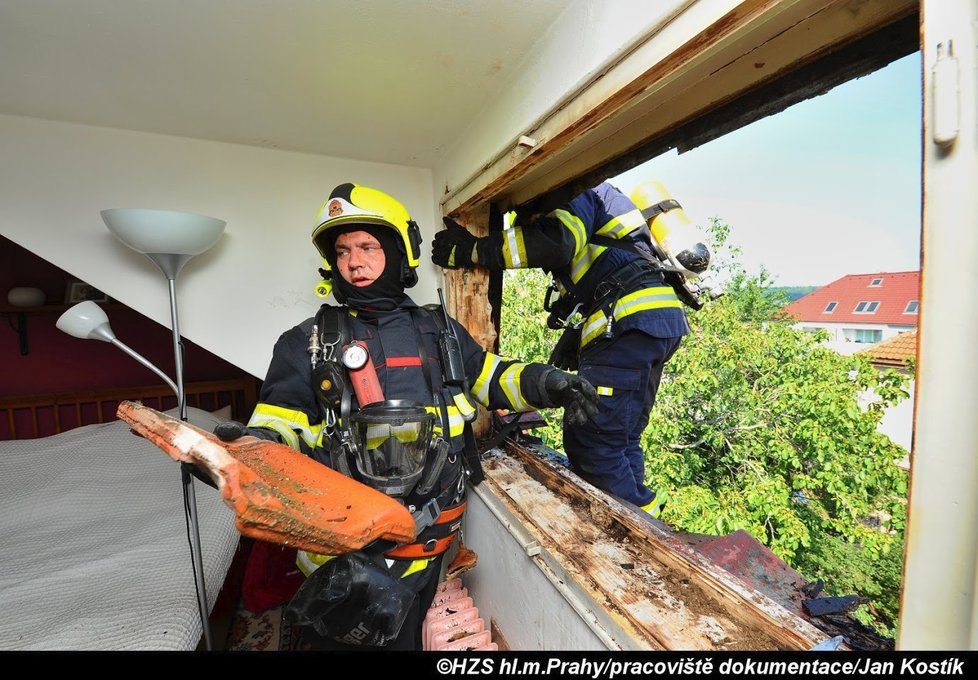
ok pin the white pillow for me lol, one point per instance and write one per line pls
(205, 420)
(224, 413)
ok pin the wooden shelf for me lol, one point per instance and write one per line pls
(48, 309)
(22, 313)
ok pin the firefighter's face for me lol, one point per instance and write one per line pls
(360, 258)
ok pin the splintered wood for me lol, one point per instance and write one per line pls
(664, 594)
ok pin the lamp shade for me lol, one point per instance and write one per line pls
(87, 321)
(163, 231)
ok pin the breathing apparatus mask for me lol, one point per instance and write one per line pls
(393, 448)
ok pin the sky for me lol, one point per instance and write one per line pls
(828, 187)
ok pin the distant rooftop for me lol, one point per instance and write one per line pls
(881, 298)
(893, 351)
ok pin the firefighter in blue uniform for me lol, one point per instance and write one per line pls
(370, 249)
(600, 252)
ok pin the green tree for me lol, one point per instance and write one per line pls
(759, 427)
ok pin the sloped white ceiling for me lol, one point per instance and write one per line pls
(393, 81)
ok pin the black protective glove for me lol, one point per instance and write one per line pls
(575, 394)
(230, 430)
(452, 247)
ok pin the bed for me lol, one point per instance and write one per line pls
(95, 549)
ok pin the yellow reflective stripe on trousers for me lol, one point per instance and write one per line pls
(480, 390)
(286, 421)
(510, 382)
(514, 249)
(659, 297)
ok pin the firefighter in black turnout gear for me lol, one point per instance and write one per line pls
(381, 347)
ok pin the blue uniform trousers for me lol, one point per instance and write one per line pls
(606, 450)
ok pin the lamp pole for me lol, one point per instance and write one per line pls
(170, 238)
(171, 265)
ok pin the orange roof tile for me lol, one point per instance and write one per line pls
(893, 292)
(893, 351)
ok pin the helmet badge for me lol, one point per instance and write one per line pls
(335, 208)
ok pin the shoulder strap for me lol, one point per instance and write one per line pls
(630, 246)
(473, 463)
(334, 326)
(437, 315)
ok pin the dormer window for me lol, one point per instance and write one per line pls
(876, 283)
(912, 307)
(829, 308)
(865, 307)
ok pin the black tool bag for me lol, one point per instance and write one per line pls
(352, 599)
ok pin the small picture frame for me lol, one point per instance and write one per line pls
(79, 291)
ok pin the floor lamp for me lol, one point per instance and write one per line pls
(170, 239)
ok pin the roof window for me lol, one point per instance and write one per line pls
(865, 307)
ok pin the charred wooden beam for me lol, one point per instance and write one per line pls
(661, 592)
(853, 60)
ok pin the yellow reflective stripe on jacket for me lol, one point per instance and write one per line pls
(480, 390)
(623, 225)
(456, 421)
(658, 297)
(286, 422)
(514, 249)
(510, 382)
(416, 566)
(617, 227)
(309, 562)
(575, 226)
(465, 407)
(583, 260)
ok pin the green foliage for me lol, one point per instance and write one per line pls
(793, 293)
(758, 427)
(524, 335)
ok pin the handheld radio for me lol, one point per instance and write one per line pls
(452, 365)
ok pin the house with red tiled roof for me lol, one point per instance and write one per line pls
(861, 308)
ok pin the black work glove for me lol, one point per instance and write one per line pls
(452, 247)
(575, 394)
(230, 430)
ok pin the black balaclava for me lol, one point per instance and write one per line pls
(387, 291)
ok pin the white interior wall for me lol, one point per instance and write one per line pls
(585, 37)
(233, 300)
